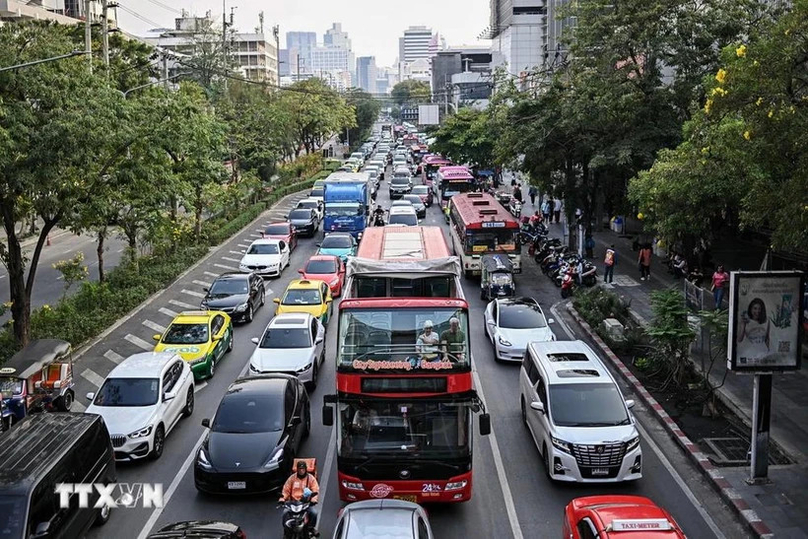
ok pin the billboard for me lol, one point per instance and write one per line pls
(765, 316)
(428, 114)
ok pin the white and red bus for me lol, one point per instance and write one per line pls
(453, 180)
(478, 224)
(405, 399)
(429, 168)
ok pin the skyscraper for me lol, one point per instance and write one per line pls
(335, 37)
(300, 43)
(366, 73)
(415, 44)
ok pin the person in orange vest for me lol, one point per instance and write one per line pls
(645, 262)
(608, 261)
(293, 490)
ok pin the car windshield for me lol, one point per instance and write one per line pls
(321, 267)
(10, 386)
(317, 192)
(396, 524)
(263, 249)
(286, 338)
(244, 414)
(343, 210)
(400, 179)
(520, 316)
(12, 516)
(416, 428)
(229, 287)
(128, 392)
(420, 190)
(415, 199)
(277, 230)
(587, 405)
(302, 296)
(333, 241)
(186, 334)
(300, 214)
(409, 219)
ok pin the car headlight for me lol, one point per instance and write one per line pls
(197, 361)
(503, 342)
(304, 369)
(274, 461)
(141, 433)
(241, 308)
(253, 368)
(632, 444)
(334, 281)
(203, 460)
(561, 445)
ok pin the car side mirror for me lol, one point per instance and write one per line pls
(277, 300)
(485, 425)
(43, 529)
(254, 340)
(319, 339)
(90, 396)
(630, 403)
(551, 320)
(295, 421)
(205, 289)
(319, 245)
(538, 406)
(156, 337)
(206, 423)
(328, 415)
(300, 271)
(169, 396)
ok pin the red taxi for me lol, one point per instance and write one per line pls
(327, 268)
(622, 517)
(281, 230)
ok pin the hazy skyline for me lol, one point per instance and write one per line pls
(373, 27)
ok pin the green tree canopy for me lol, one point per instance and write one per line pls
(411, 92)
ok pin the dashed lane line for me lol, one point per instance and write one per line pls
(243, 245)
(236, 260)
(228, 268)
(200, 386)
(183, 305)
(237, 252)
(113, 356)
(167, 312)
(255, 235)
(92, 377)
(193, 293)
(210, 274)
(140, 343)
(155, 326)
(201, 283)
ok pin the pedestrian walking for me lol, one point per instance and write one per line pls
(545, 210)
(608, 262)
(551, 209)
(557, 211)
(720, 280)
(589, 244)
(532, 192)
(517, 192)
(645, 262)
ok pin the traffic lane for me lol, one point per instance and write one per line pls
(521, 456)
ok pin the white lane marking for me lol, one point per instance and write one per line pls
(210, 274)
(228, 268)
(61, 277)
(92, 377)
(237, 252)
(268, 292)
(113, 356)
(77, 407)
(243, 245)
(137, 341)
(679, 481)
(144, 533)
(201, 283)
(2, 276)
(120, 250)
(193, 293)
(183, 305)
(513, 518)
(200, 386)
(261, 230)
(167, 312)
(236, 260)
(560, 321)
(255, 235)
(329, 459)
(155, 326)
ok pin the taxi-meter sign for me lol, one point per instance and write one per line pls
(644, 524)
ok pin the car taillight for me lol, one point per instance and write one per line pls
(241, 535)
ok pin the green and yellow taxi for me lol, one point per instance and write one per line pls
(201, 338)
(306, 296)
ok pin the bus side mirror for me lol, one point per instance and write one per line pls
(485, 425)
(328, 415)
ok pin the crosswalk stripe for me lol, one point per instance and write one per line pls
(156, 327)
(113, 356)
(183, 304)
(201, 283)
(236, 260)
(167, 312)
(193, 293)
(229, 268)
(137, 341)
(92, 377)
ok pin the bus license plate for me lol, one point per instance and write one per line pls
(236, 485)
(413, 499)
(600, 471)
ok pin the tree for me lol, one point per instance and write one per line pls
(73, 271)
(317, 112)
(367, 112)
(411, 92)
(467, 137)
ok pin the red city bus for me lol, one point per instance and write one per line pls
(452, 181)
(429, 168)
(405, 397)
(480, 225)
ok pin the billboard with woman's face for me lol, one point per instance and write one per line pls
(765, 315)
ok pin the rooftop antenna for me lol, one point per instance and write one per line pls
(261, 21)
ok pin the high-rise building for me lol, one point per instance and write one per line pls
(330, 59)
(300, 44)
(335, 37)
(366, 73)
(415, 43)
(67, 12)
(285, 68)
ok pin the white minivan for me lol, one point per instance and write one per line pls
(577, 415)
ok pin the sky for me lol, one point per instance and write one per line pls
(373, 26)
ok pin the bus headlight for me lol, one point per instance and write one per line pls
(456, 485)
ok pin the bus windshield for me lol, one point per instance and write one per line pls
(410, 340)
(417, 428)
(490, 241)
(454, 188)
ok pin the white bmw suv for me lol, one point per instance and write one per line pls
(141, 400)
(577, 416)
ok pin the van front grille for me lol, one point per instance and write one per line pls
(599, 455)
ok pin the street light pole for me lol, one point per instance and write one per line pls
(276, 30)
(88, 39)
(36, 62)
(105, 33)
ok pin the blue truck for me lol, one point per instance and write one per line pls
(348, 203)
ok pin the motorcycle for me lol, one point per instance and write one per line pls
(567, 285)
(297, 525)
(515, 207)
(378, 219)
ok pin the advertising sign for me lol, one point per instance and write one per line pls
(765, 315)
(428, 114)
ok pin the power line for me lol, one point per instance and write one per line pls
(139, 16)
(166, 7)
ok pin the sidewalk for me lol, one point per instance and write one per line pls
(782, 504)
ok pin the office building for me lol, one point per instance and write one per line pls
(366, 73)
(68, 12)
(335, 37)
(283, 56)
(300, 44)
(415, 44)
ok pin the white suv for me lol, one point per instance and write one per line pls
(141, 400)
(577, 415)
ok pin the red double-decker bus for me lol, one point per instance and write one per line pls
(405, 399)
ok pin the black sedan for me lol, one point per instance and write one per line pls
(237, 294)
(207, 529)
(254, 436)
(304, 221)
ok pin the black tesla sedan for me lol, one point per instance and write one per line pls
(304, 221)
(254, 436)
(237, 294)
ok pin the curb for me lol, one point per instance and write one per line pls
(710, 471)
(84, 348)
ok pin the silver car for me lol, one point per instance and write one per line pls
(383, 518)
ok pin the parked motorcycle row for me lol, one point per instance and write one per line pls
(567, 269)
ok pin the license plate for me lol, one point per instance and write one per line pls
(600, 471)
(234, 485)
(413, 499)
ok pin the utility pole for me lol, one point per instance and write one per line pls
(165, 69)
(88, 43)
(298, 67)
(224, 40)
(276, 30)
(105, 33)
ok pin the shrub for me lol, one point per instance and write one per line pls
(596, 304)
